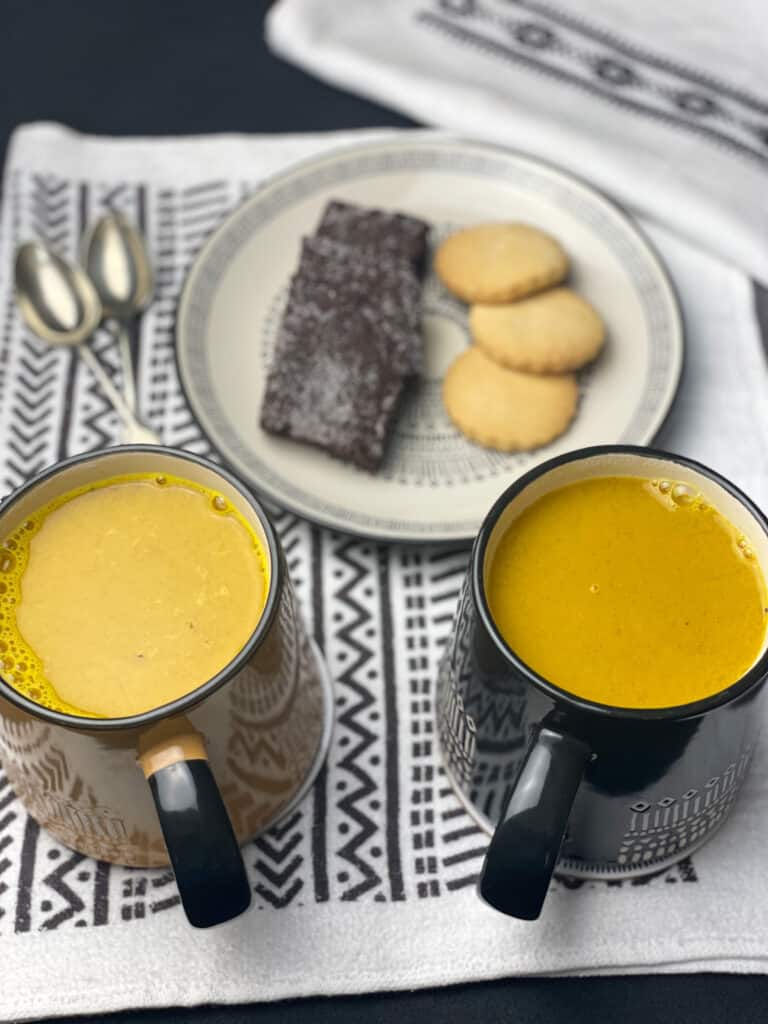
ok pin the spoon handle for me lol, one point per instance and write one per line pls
(134, 430)
(123, 335)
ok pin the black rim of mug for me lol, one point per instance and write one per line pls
(753, 676)
(199, 694)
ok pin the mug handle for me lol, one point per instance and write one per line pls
(201, 842)
(525, 846)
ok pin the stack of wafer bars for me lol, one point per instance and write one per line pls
(351, 334)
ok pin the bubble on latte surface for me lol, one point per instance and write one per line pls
(220, 503)
(161, 480)
(745, 548)
(665, 486)
(20, 666)
(683, 495)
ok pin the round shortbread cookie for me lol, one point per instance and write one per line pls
(499, 262)
(552, 332)
(506, 409)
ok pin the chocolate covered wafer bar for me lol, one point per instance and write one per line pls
(376, 231)
(332, 383)
(350, 335)
(333, 275)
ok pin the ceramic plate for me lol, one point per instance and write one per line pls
(434, 485)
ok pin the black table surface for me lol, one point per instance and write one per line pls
(152, 67)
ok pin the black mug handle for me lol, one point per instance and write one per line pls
(202, 847)
(525, 846)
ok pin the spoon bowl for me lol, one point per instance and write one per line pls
(61, 307)
(56, 299)
(115, 258)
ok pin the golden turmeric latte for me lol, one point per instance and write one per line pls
(127, 594)
(629, 592)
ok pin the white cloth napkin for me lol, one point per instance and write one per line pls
(368, 884)
(664, 105)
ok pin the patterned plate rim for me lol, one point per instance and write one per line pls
(235, 230)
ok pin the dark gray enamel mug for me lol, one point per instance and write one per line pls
(563, 783)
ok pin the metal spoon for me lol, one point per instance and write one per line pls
(61, 306)
(115, 258)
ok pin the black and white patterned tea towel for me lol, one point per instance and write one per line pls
(369, 883)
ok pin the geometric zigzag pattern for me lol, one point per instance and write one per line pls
(381, 823)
